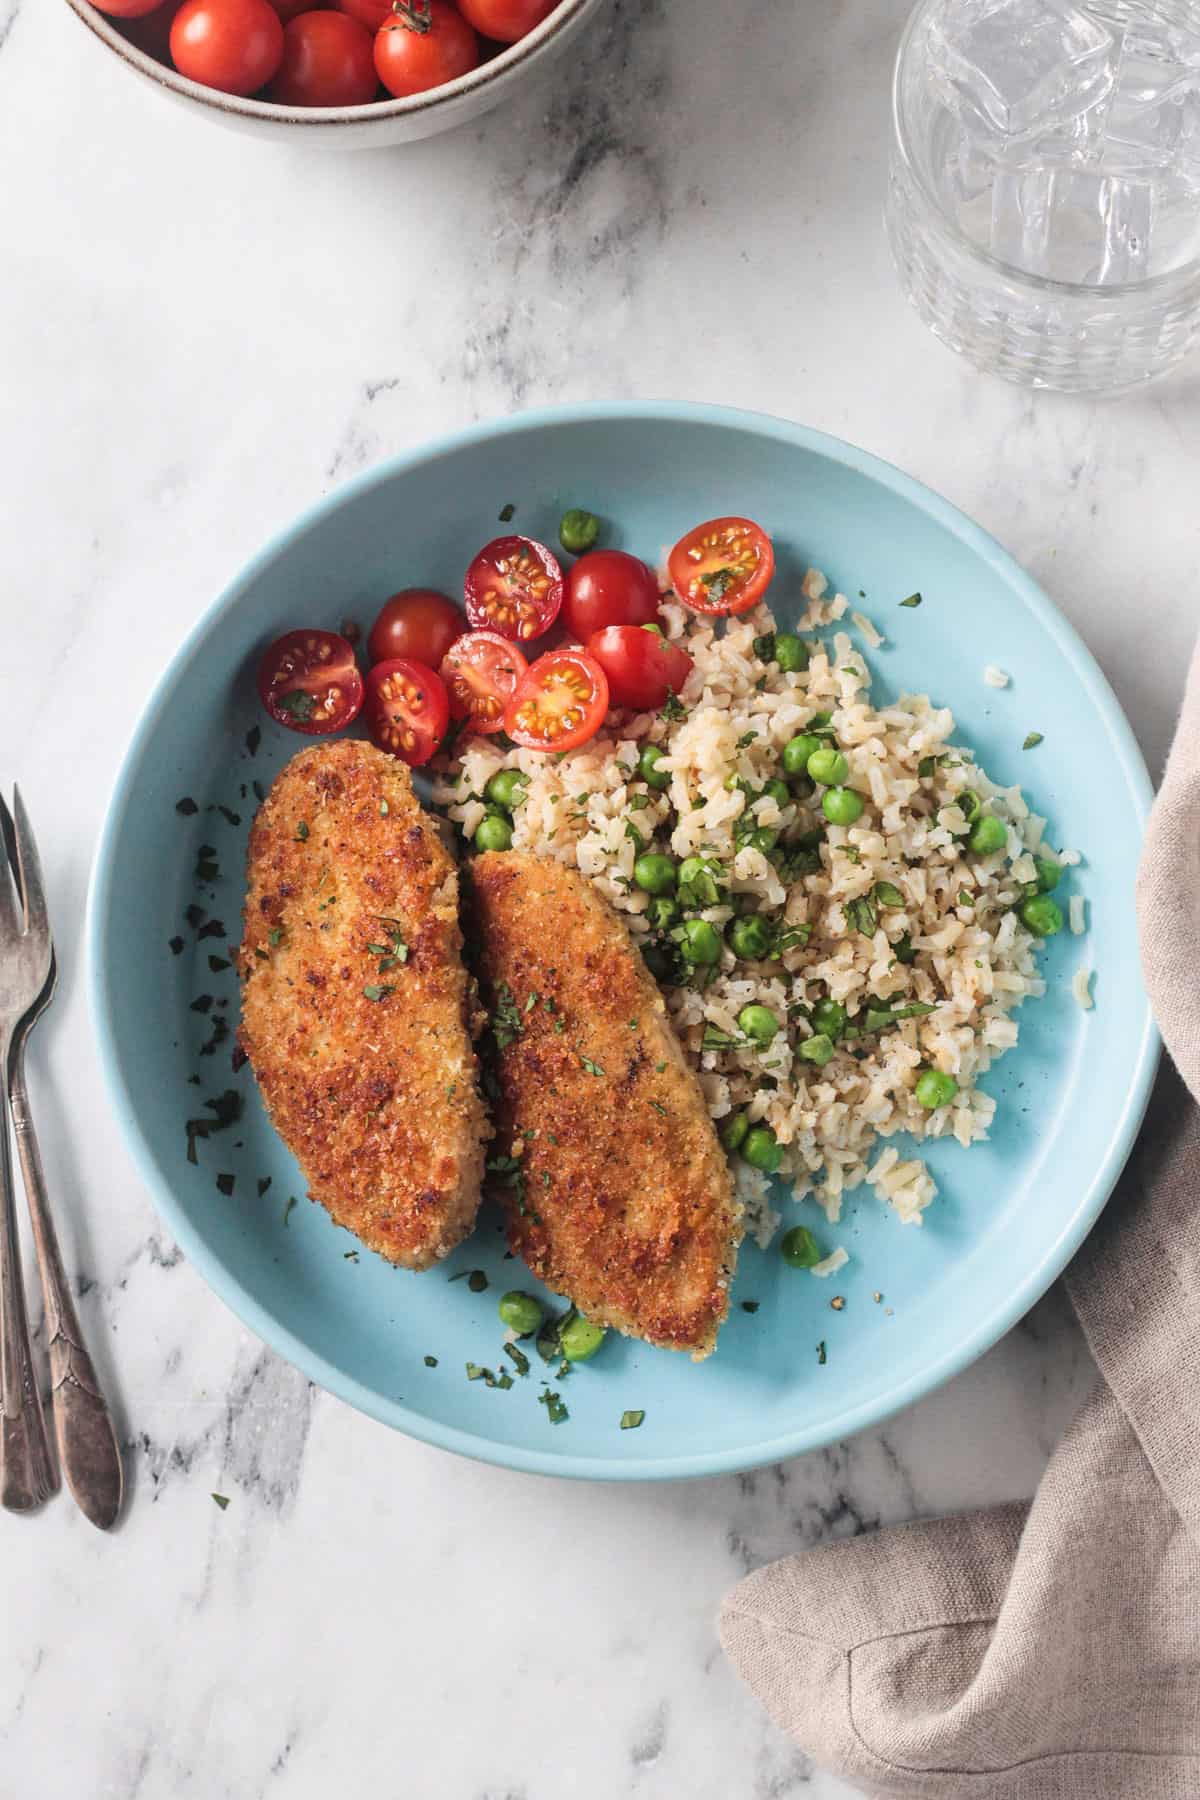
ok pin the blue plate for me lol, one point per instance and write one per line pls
(1010, 1212)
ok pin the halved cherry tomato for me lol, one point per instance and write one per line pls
(328, 60)
(560, 702)
(233, 45)
(408, 709)
(505, 20)
(308, 681)
(609, 587)
(723, 566)
(481, 671)
(423, 44)
(515, 587)
(416, 622)
(641, 666)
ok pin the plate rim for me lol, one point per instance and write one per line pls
(258, 1318)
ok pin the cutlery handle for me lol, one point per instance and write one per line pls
(87, 1443)
(27, 1475)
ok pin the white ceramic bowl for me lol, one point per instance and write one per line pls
(381, 123)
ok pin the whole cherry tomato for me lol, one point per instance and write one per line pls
(423, 45)
(371, 13)
(232, 45)
(641, 666)
(609, 587)
(416, 622)
(505, 20)
(328, 60)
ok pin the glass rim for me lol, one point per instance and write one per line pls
(902, 140)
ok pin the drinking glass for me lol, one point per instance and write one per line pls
(1044, 193)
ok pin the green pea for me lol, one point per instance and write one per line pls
(828, 766)
(749, 938)
(579, 1338)
(578, 530)
(761, 1151)
(701, 942)
(817, 1049)
(654, 874)
(1049, 872)
(493, 833)
(649, 770)
(520, 1312)
(795, 754)
(987, 835)
(505, 788)
(732, 1131)
(778, 791)
(1042, 915)
(841, 805)
(758, 1023)
(662, 914)
(791, 653)
(659, 961)
(935, 1089)
(763, 838)
(829, 1016)
(799, 1247)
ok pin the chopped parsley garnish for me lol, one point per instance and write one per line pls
(383, 809)
(287, 1211)
(592, 1068)
(175, 945)
(531, 1000)
(965, 898)
(187, 806)
(477, 1281)
(927, 766)
(632, 1419)
(260, 793)
(913, 600)
(904, 950)
(297, 705)
(747, 738)
(861, 917)
(217, 963)
(553, 1404)
(430, 1362)
(506, 512)
(632, 832)
(222, 1500)
(225, 1184)
(214, 929)
(349, 1255)
(302, 832)
(718, 582)
(715, 1039)
(750, 1306)
(659, 1108)
(394, 951)
(275, 936)
(253, 740)
(373, 991)
(206, 863)
(226, 1110)
(821, 1352)
(672, 707)
(519, 1359)
(228, 814)
(1033, 740)
(264, 1182)
(476, 1372)
(506, 1020)
(638, 802)
(764, 647)
(888, 894)
(509, 1173)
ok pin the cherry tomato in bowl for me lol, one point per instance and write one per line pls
(327, 60)
(559, 703)
(722, 566)
(233, 45)
(609, 587)
(641, 667)
(418, 623)
(371, 13)
(505, 20)
(309, 681)
(424, 44)
(407, 709)
(127, 9)
(481, 671)
(515, 587)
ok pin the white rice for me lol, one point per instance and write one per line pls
(1081, 987)
(970, 955)
(1077, 914)
(995, 677)
(829, 1265)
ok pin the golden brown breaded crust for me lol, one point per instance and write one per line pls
(624, 1201)
(376, 1097)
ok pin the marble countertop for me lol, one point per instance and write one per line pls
(200, 334)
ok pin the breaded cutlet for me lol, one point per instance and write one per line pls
(356, 1007)
(621, 1197)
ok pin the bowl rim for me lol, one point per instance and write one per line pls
(478, 80)
(224, 1281)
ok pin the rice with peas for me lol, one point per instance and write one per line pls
(948, 912)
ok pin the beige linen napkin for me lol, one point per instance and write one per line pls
(1050, 1649)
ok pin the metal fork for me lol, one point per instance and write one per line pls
(87, 1444)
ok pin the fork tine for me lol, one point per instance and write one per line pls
(28, 871)
(10, 925)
